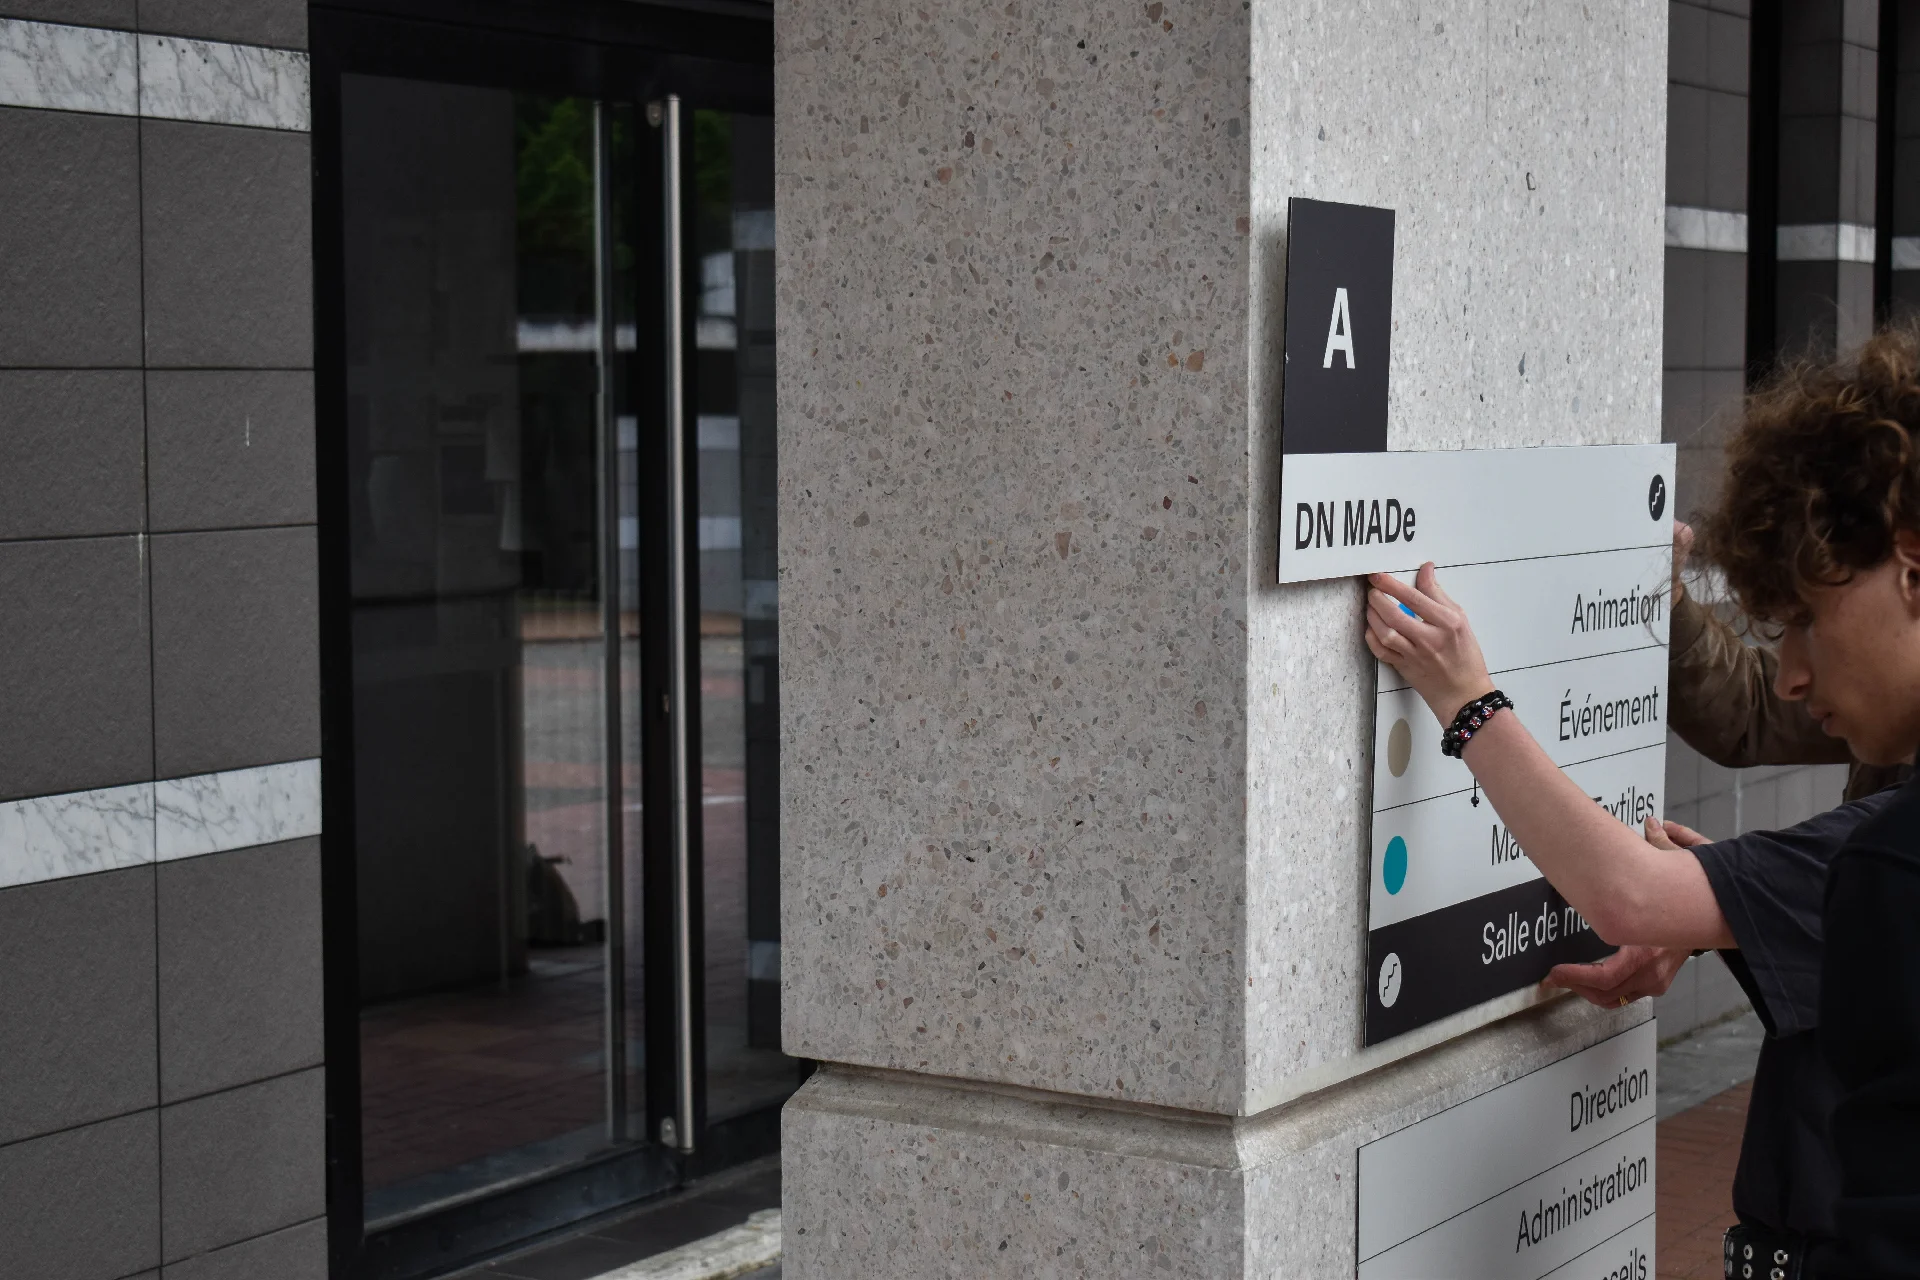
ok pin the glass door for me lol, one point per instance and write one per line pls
(489, 779)
(549, 598)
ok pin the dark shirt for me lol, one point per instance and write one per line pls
(1870, 1034)
(1769, 885)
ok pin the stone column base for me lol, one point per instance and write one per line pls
(893, 1174)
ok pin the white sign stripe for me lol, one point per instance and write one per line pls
(1346, 513)
(1584, 1201)
(1626, 1256)
(1579, 710)
(1492, 1149)
(1529, 612)
(1454, 851)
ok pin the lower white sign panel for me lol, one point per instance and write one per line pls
(1524, 1181)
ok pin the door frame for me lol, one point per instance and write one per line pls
(712, 53)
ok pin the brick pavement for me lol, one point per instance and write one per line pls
(1695, 1153)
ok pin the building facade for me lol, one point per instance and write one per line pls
(477, 733)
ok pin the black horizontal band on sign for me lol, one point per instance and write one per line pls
(1444, 956)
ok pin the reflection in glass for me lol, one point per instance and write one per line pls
(479, 648)
(732, 168)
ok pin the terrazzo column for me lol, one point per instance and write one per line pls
(1074, 798)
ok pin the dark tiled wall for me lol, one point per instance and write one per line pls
(1705, 337)
(1706, 290)
(161, 1066)
(1828, 104)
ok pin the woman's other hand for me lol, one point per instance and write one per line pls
(1421, 633)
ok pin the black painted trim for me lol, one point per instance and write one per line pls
(1886, 138)
(1763, 188)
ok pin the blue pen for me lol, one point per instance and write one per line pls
(1410, 613)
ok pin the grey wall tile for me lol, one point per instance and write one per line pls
(82, 1204)
(240, 1164)
(1726, 174)
(1687, 27)
(1679, 404)
(230, 449)
(1697, 482)
(281, 23)
(1728, 56)
(1859, 81)
(236, 649)
(1811, 23)
(1809, 169)
(1859, 22)
(1717, 817)
(1852, 303)
(1858, 164)
(1683, 329)
(78, 13)
(1687, 145)
(69, 240)
(228, 246)
(1679, 1009)
(298, 1253)
(1683, 773)
(1829, 786)
(1723, 312)
(1722, 394)
(1796, 797)
(76, 1002)
(239, 967)
(1806, 314)
(1719, 993)
(70, 453)
(76, 703)
(1810, 78)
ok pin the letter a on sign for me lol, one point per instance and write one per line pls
(1333, 398)
(1339, 331)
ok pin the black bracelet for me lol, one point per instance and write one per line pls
(1468, 722)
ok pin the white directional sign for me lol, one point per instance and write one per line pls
(1572, 616)
(1349, 513)
(1548, 1175)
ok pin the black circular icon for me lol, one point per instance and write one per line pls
(1657, 497)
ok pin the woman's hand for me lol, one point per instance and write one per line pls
(1421, 633)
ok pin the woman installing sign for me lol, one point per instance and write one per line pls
(1818, 533)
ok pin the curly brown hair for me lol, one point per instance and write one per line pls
(1821, 472)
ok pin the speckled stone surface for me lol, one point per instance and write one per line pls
(890, 1174)
(1072, 798)
(1522, 146)
(1013, 487)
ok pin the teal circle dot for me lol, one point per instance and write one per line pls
(1393, 870)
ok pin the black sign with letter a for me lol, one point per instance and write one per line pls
(1339, 328)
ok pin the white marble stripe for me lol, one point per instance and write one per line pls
(1825, 242)
(81, 832)
(43, 64)
(52, 837)
(214, 812)
(183, 79)
(1712, 229)
(55, 67)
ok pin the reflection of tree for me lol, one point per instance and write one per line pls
(554, 176)
(555, 137)
(713, 176)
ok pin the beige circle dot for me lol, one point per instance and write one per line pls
(1399, 747)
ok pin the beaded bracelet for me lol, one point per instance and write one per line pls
(1468, 722)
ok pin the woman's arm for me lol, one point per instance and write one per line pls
(1629, 891)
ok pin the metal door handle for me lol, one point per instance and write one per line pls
(677, 625)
